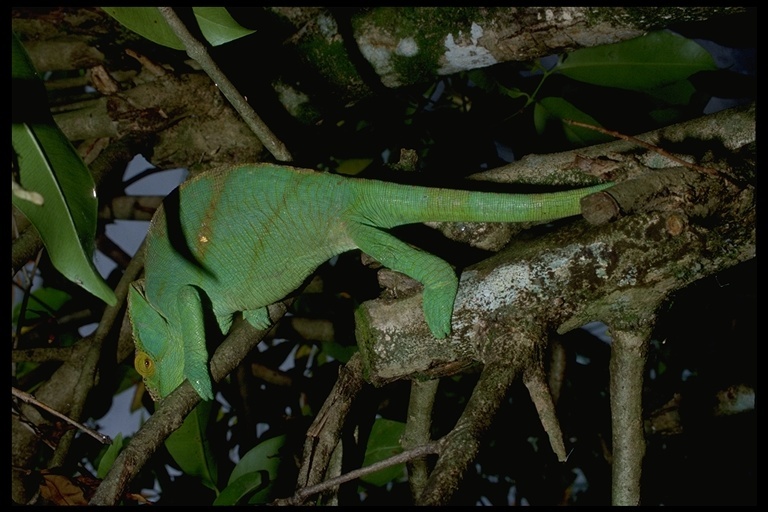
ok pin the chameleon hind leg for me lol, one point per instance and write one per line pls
(437, 276)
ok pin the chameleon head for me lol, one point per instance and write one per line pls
(159, 358)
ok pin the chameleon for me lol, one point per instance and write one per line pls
(238, 239)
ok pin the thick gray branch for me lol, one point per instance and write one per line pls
(665, 241)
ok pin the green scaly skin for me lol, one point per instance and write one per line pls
(245, 237)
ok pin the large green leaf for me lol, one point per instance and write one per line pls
(50, 168)
(384, 442)
(216, 24)
(653, 60)
(190, 448)
(254, 475)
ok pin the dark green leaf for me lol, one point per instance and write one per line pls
(43, 303)
(111, 453)
(236, 492)
(255, 472)
(556, 109)
(383, 443)
(190, 448)
(646, 62)
(21, 65)
(338, 351)
(678, 93)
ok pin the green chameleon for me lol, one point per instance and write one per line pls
(241, 238)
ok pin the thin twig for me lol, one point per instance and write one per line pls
(646, 145)
(25, 299)
(197, 51)
(402, 457)
(102, 438)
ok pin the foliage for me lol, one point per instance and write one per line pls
(252, 479)
(190, 448)
(216, 24)
(658, 64)
(384, 442)
(49, 166)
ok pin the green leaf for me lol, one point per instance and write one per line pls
(482, 79)
(148, 23)
(556, 108)
(236, 492)
(665, 116)
(190, 448)
(678, 93)
(49, 166)
(513, 92)
(66, 221)
(255, 473)
(540, 117)
(108, 459)
(21, 65)
(43, 303)
(338, 351)
(384, 442)
(216, 24)
(653, 60)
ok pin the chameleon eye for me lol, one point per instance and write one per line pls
(144, 364)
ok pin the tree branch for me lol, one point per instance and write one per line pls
(197, 51)
(629, 352)
(578, 268)
(418, 430)
(460, 446)
(325, 432)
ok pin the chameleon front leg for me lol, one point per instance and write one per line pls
(190, 310)
(439, 279)
(259, 318)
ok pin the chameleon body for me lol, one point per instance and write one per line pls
(239, 239)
